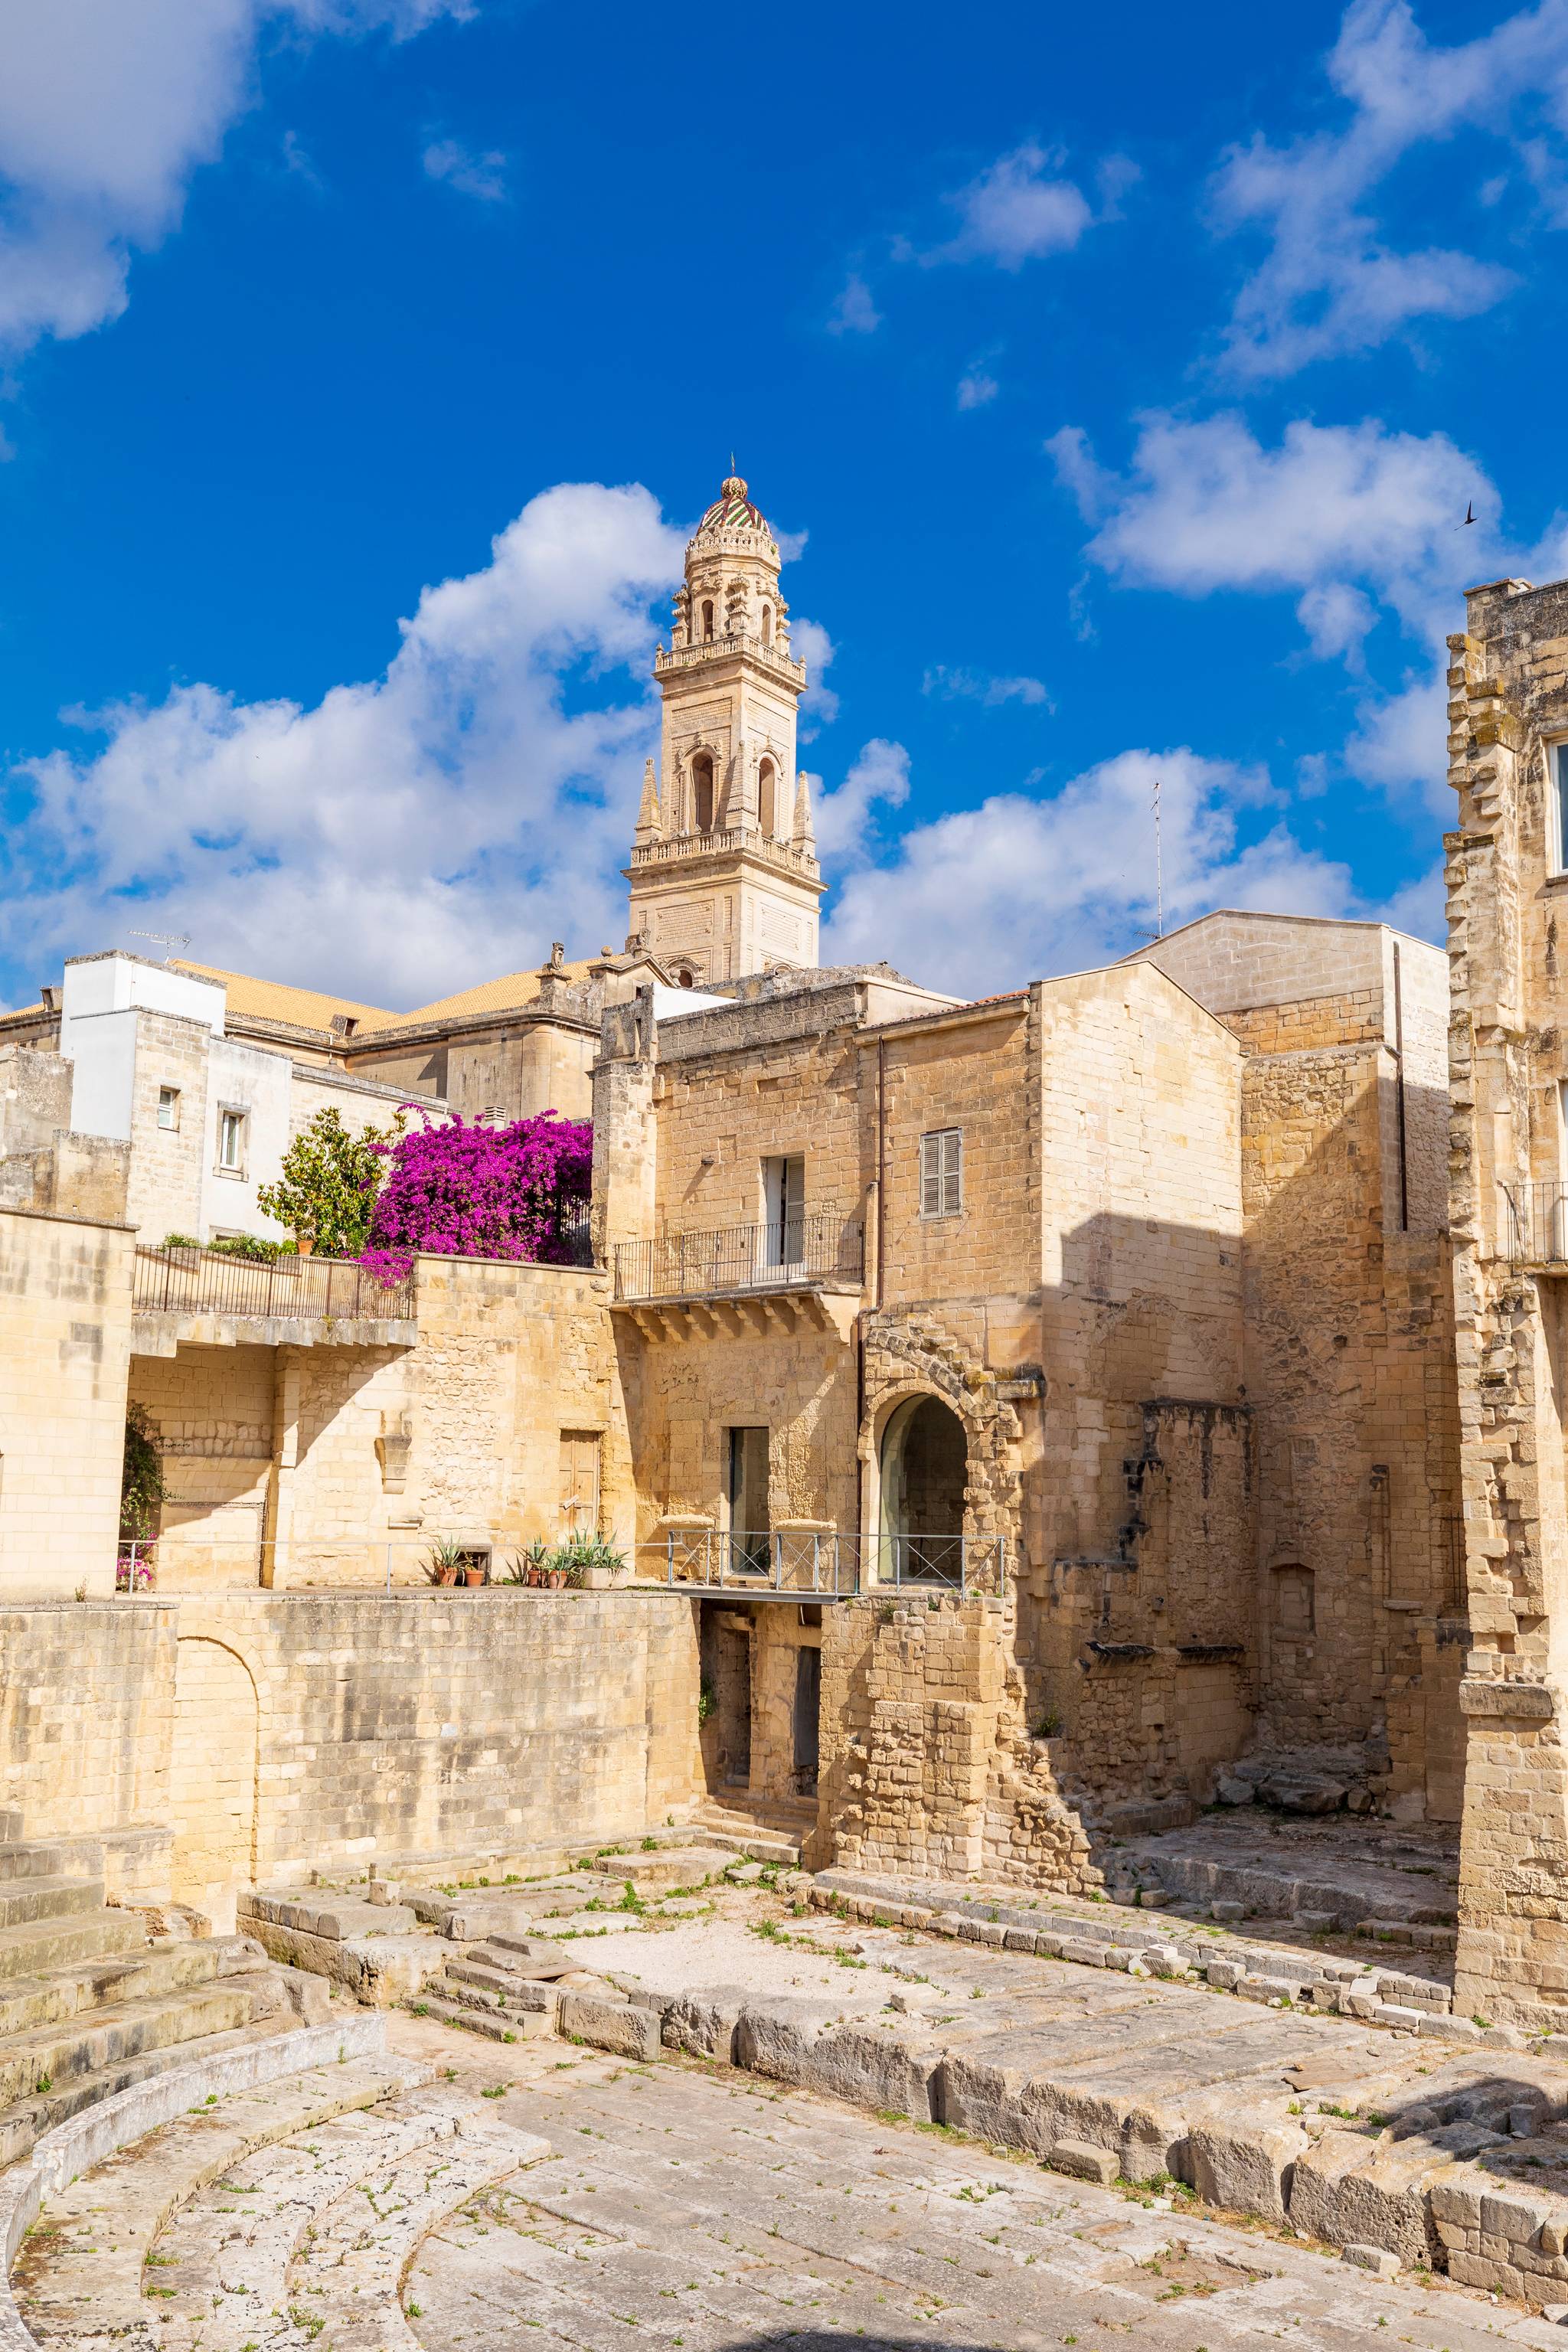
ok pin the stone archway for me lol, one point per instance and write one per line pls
(212, 1778)
(924, 1472)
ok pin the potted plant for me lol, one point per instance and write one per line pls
(442, 1562)
(476, 1570)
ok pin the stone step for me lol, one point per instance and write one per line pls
(25, 1900)
(753, 1845)
(26, 2120)
(31, 2065)
(472, 2017)
(323, 2231)
(55, 1859)
(38, 1946)
(29, 2002)
(82, 2265)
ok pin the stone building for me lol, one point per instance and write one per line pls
(1017, 1415)
(1507, 882)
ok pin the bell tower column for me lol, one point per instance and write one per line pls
(724, 878)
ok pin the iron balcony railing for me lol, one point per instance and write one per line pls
(773, 1254)
(837, 1566)
(1537, 1224)
(296, 1290)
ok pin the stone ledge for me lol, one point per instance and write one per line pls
(1522, 1702)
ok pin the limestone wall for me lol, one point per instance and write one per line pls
(65, 1343)
(213, 1738)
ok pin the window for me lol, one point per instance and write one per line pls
(1558, 758)
(767, 624)
(1294, 1607)
(784, 1209)
(767, 798)
(941, 1173)
(580, 1481)
(231, 1142)
(708, 622)
(169, 1107)
(702, 791)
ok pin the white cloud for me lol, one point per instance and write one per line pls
(977, 386)
(105, 110)
(469, 170)
(1337, 618)
(1017, 210)
(1330, 282)
(855, 312)
(1019, 888)
(846, 818)
(810, 643)
(975, 686)
(402, 836)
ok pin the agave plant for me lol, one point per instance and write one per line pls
(444, 1561)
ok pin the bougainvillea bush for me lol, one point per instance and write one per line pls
(516, 1191)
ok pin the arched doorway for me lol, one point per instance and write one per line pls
(212, 1780)
(924, 1471)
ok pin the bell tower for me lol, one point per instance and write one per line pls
(724, 878)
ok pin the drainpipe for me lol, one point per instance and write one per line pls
(1399, 1093)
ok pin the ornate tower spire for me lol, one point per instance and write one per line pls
(723, 877)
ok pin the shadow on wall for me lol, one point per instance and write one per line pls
(1244, 1506)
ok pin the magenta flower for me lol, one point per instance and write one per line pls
(517, 1192)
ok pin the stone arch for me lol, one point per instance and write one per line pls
(909, 1357)
(212, 1777)
(703, 788)
(768, 795)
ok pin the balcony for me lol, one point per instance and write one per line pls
(792, 1564)
(209, 1298)
(1536, 1226)
(727, 838)
(708, 649)
(743, 1279)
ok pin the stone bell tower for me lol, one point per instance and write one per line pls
(725, 875)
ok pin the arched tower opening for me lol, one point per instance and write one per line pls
(767, 798)
(925, 1462)
(702, 791)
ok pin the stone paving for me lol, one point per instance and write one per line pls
(702, 2210)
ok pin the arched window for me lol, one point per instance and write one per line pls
(683, 978)
(708, 621)
(767, 798)
(702, 791)
(767, 624)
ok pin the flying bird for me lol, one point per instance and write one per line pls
(1469, 512)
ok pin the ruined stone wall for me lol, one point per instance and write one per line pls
(1508, 1053)
(1348, 1340)
(65, 1343)
(923, 1772)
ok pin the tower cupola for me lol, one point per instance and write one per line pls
(724, 878)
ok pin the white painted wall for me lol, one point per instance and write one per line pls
(102, 1050)
(113, 984)
(250, 1079)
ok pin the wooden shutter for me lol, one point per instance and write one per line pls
(941, 1173)
(580, 1480)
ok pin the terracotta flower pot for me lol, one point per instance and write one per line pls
(473, 1576)
(446, 1576)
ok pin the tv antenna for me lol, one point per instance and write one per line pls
(170, 939)
(1159, 930)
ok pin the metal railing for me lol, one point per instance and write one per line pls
(741, 1257)
(315, 1289)
(802, 1561)
(187, 1558)
(1537, 1224)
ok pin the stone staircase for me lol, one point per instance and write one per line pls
(772, 1829)
(92, 2003)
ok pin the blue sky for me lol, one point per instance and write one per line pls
(1122, 376)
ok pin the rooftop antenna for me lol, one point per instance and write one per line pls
(1159, 930)
(1159, 869)
(170, 939)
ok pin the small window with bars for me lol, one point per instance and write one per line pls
(941, 1173)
